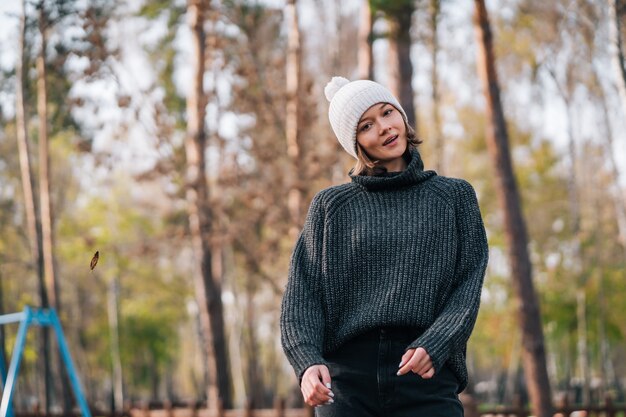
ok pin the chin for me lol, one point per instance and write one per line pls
(397, 152)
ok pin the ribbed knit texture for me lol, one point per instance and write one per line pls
(403, 249)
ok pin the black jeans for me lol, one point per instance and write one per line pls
(365, 383)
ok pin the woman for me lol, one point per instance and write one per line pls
(385, 279)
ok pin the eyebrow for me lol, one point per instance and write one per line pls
(379, 107)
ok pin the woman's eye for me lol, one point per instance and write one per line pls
(387, 112)
(365, 127)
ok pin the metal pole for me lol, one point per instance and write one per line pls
(3, 370)
(20, 341)
(3, 374)
(65, 353)
(13, 317)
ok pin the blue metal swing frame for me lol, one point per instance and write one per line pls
(27, 318)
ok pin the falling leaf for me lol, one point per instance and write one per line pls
(94, 260)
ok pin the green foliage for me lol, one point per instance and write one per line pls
(392, 7)
(163, 53)
(148, 345)
(153, 9)
(152, 295)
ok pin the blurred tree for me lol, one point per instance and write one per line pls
(618, 198)
(365, 56)
(533, 353)
(617, 54)
(255, 185)
(45, 206)
(48, 16)
(494, 352)
(207, 285)
(544, 36)
(617, 51)
(292, 118)
(437, 136)
(49, 84)
(259, 202)
(400, 15)
(33, 221)
(566, 89)
(44, 162)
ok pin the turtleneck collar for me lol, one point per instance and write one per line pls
(413, 174)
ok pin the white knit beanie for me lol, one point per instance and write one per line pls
(348, 101)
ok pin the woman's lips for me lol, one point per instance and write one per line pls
(391, 140)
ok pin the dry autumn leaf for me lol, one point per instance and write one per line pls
(94, 260)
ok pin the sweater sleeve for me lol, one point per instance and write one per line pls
(302, 313)
(453, 326)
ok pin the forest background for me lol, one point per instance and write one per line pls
(184, 141)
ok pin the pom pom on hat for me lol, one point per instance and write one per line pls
(333, 86)
(348, 101)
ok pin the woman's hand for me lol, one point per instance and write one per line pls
(315, 386)
(418, 361)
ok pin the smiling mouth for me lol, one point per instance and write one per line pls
(389, 140)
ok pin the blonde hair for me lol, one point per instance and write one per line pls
(364, 164)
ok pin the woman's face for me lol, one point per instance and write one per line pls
(381, 132)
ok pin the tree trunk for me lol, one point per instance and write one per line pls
(365, 55)
(400, 67)
(617, 54)
(393, 66)
(205, 358)
(292, 119)
(154, 378)
(533, 353)
(255, 384)
(618, 198)
(44, 162)
(578, 256)
(578, 261)
(44, 251)
(207, 285)
(114, 332)
(581, 343)
(512, 372)
(438, 138)
(32, 222)
(237, 357)
(598, 254)
(607, 369)
(405, 65)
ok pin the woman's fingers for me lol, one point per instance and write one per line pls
(406, 363)
(406, 357)
(428, 374)
(315, 386)
(313, 393)
(423, 364)
(418, 361)
(325, 374)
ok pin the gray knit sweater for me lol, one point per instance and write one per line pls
(402, 249)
